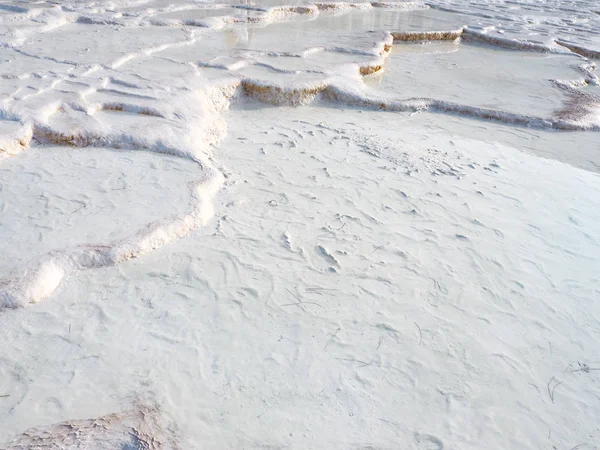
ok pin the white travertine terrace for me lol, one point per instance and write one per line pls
(378, 174)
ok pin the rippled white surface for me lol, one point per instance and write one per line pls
(288, 224)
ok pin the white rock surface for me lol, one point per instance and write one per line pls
(258, 225)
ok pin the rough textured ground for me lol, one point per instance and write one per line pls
(310, 226)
